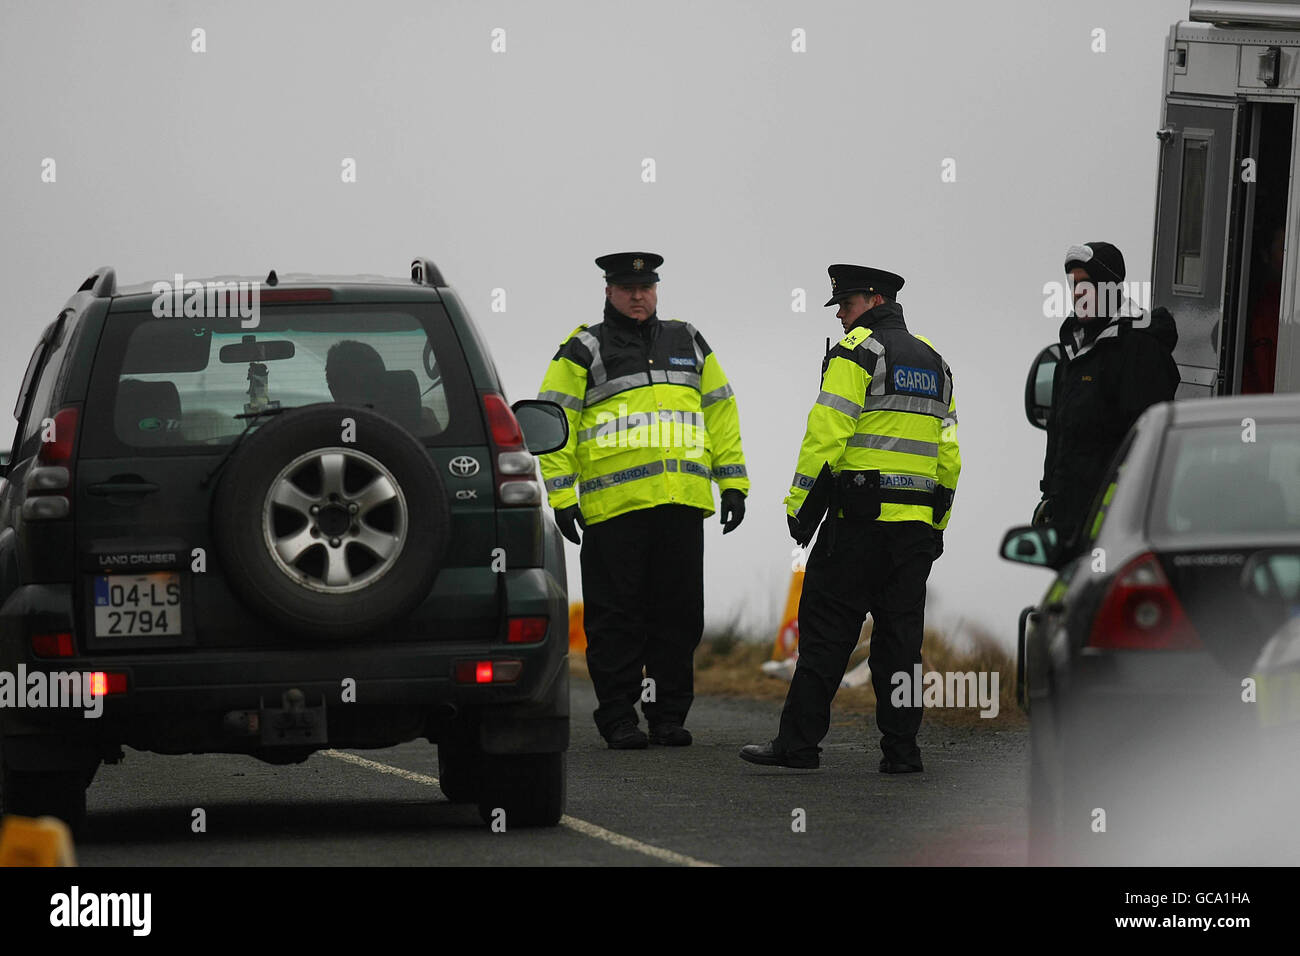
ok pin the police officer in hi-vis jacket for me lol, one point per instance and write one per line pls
(652, 426)
(883, 437)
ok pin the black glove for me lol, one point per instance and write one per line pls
(570, 520)
(793, 522)
(1042, 514)
(938, 543)
(733, 509)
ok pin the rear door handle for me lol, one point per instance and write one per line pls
(105, 489)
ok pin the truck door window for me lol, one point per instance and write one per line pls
(1190, 252)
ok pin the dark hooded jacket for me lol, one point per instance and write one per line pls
(1102, 384)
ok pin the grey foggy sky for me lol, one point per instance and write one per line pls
(514, 170)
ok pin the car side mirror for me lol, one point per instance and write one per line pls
(1038, 386)
(1039, 546)
(544, 424)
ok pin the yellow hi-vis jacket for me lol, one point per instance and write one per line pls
(886, 405)
(652, 420)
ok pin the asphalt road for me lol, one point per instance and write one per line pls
(656, 807)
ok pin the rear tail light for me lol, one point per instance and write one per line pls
(1140, 612)
(49, 478)
(53, 645)
(57, 445)
(487, 672)
(516, 468)
(103, 684)
(526, 630)
(267, 296)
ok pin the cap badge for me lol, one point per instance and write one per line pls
(638, 265)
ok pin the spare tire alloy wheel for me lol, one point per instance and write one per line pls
(331, 538)
(343, 539)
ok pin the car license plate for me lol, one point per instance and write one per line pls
(137, 605)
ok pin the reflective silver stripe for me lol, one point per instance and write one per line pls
(717, 395)
(802, 481)
(689, 467)
(560, 483)
(908, 446)
(839, 404)
(699, 353)
(907, 403)
(730, 471)
(611, 429)
(880, 375)
(560, 398)
(890, 481)
(615, 385)
(595, 374)
(676, 378)
(600, 482)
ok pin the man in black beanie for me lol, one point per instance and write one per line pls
(1116, 361)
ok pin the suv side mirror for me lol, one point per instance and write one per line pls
(1039, 546)
(544, 424)
(1038, 386)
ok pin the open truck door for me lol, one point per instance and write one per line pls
(1224, 258)
(1191, 259)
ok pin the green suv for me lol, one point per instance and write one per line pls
(272, 516)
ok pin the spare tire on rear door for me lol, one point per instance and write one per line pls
(328, 528)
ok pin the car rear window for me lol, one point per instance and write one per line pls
(1229, 479)
(180, 382)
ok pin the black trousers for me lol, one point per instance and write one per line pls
(876, 566)
(643, 607)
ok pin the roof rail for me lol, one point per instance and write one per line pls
(424, 272)
(1253, 13)
(102, 283)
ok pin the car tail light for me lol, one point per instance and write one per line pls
(516, 469)
(487, 672)
(526, 630)
(53, 645)
(280, 296)
(1140, 612)
(103, 684)
(49, 478)
(58, 451)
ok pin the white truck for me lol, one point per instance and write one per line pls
(1225, 257)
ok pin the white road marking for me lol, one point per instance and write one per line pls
(573, 823)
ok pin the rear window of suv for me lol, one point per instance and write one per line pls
(192, 383)
(1213, 480)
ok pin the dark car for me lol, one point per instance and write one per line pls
(1143, 666)
(314, 525)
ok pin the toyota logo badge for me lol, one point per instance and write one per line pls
(463, 466)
